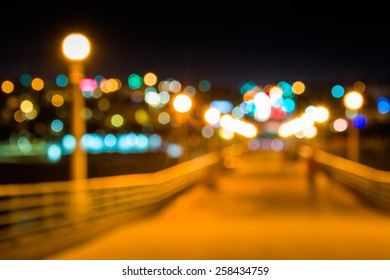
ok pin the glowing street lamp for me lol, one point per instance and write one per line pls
(76, 48)
(212, 116)
(182, 104)
(353, 101)
(320, 116)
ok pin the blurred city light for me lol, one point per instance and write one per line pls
(182, 103)
(353, 100)
(238, 126)
(223, 106)
(383, 105)
(76, 46)
(212, 116)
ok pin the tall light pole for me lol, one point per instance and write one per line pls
(76, 48)
(353, 101)
(321, 116)
(182, 104)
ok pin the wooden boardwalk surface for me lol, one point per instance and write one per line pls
(265, 209)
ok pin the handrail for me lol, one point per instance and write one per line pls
(372, 184)
(37, 219)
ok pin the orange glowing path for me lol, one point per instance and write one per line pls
(265, 209)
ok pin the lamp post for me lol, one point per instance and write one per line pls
(353, 101)
(76, 48)
(321, 116)
(182, 104)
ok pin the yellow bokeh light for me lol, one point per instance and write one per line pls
(57, 100)
(26, 106)
(298, 87)
(7, 87)
(37, 84)
(117, 120)
(110, 85)
(150, 79)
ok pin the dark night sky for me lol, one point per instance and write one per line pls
(191, 43)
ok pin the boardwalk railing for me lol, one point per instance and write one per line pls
(39, 219)
(370, 183)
